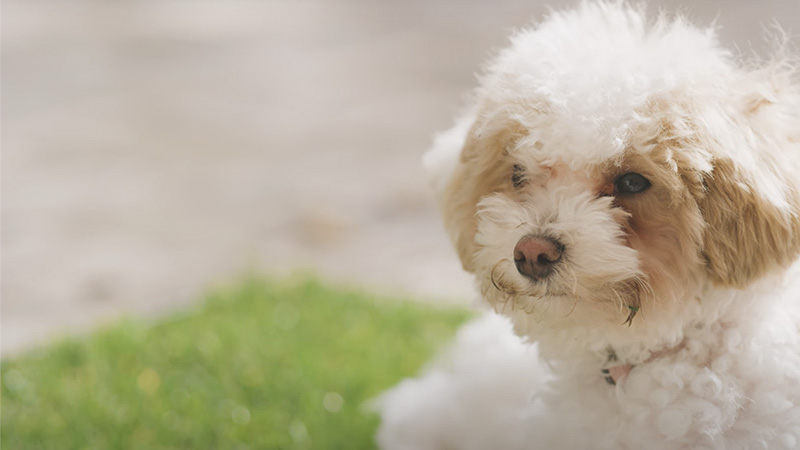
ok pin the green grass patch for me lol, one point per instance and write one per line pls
(265, 365)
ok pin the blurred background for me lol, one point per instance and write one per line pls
(154, 148)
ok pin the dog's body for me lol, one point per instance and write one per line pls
(734, 384)
(628, 196)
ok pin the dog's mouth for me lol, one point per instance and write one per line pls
(506, 287)
(517, 286)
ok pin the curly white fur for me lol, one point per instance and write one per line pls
(692, 285)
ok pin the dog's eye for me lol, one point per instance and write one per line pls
(631, 183)
(518, 176)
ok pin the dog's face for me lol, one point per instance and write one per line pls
(594, 184)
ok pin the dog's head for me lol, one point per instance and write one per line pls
(610, 166)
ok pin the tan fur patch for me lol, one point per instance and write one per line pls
(746, 236)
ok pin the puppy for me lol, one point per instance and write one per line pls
(627, 196)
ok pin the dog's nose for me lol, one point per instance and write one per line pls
(535, 257)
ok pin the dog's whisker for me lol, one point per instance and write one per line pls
(574, 283)
(574, 305)
(492, 275)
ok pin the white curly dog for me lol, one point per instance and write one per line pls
(627, 196)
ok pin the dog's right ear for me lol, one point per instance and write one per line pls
(465, 164)
(444, 156)
(752, 208)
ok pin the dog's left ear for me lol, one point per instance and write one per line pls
(752, 201)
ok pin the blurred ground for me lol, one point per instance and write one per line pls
(151, 148)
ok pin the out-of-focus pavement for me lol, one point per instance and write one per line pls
(154, 148)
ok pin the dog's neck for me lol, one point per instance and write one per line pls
(698, 322)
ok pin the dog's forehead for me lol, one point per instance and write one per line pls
(583, 84)
(575, 142)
